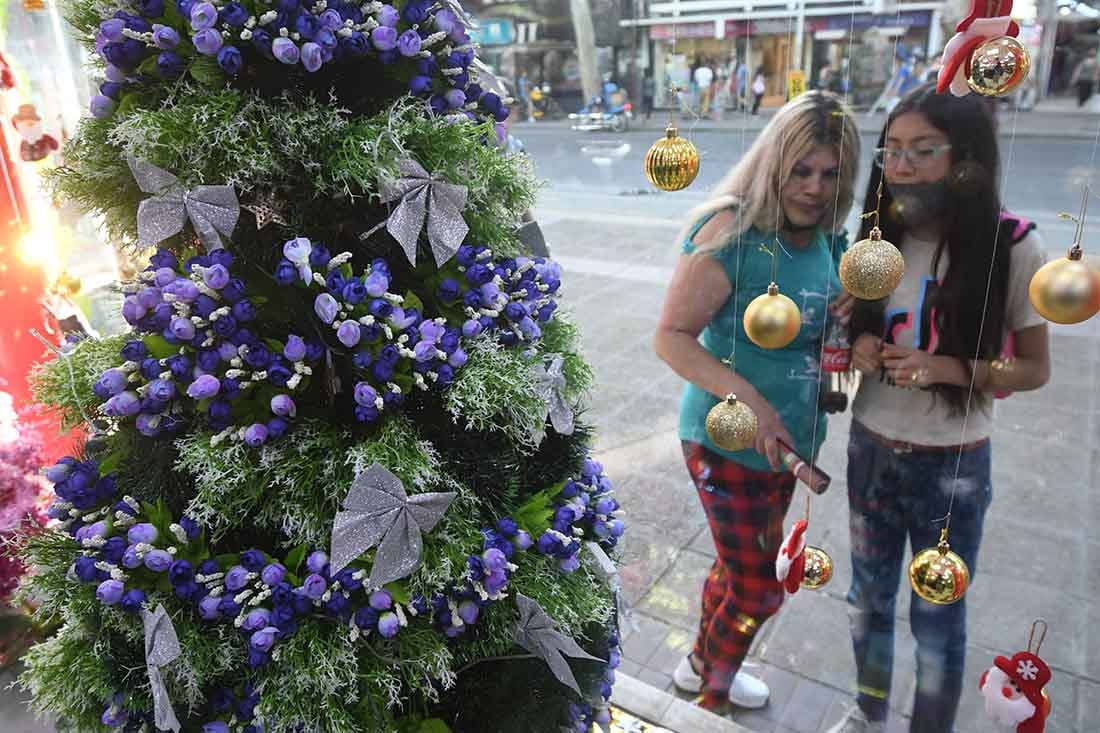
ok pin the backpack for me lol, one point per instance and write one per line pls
(1013, 229)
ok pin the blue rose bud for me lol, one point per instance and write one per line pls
(317, 561)
(234, 15)
(102, 107)
(273, 574)
(203, 16)
(256, 619)
(85, 569)
(165, 37)
(253, 560)
(132, 601)
(348, 333)
(236, 578)
(326, 307)
(285, 51)
(388, 625)
(384, 38)
(142, 533)
(312, 55)
(204, 387)
(158, 560)
(109, 592)
(283, 406)
(408, 44)
(264, 639)
(170, 64)
(208, 608)
(207, 42)
(255, 435)
(295, 349)
(314, 586)
(381, 600)
(366, 618)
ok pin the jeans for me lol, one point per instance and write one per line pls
(894, 496)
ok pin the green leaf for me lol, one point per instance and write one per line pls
(205, 71)
(294, 559)
(111, 462)
(275, 346)
(434, 725)
(149, 67)
(228, 560)
(159, 348)
(535, 514)
(412, 300)
(399, 591)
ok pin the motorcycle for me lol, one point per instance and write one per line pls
(614, 113)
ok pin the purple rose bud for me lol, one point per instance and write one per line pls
(112, 29)
(388, 16)
(471, 328)
(445, 20)
(263, 639)
(215, 726)
(424, 351)
(110, 383)
(115, 74)
(102, 107)
(158, 560)
(455, 98)
(384, 38)
(388, 625)
(348, 333)
(208, 608)
(494, 559)
(458, 358)
(409, 43)
(182, 328)
(285, 51)
(381, 600)
(496, 581)
(123, 404)
(326, 307)
(377, 283)
(295, 349)
(235, 578)
(216, 277)
(468, 611)
(311, 56)
(522, 540)
(317, 561)
(204, 387)
(365, 395)
(207, 42)
(256, 619)
(203, 16)
(420, 84)
(131, 602)
(283, 406)
(165, 37)
(314, 586)
(255, 435)
(109, 592)
(273, 574)
(331, 19)
(570, 563)
(130, 559)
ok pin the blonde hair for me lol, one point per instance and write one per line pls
(752, 187)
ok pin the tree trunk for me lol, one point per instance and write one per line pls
(586, 47)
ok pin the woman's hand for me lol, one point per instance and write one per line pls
(841, 308)
(867, 354)
(910, 367)
(770, 430)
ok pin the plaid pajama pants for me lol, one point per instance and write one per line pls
(745, 510)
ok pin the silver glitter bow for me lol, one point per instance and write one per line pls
(532, 240)
(550, 383)
(460, 12)
(161, 647)
(488, 81)
(605, 567)
(535, 632)
(377, 510)
(213, 210)
(425, 197)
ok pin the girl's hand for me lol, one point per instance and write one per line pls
(867, 354)
(841, 308)
(770, 430)
(909, 367)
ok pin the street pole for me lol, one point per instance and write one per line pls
(1048, 14)
(798, 37)
(586, 47)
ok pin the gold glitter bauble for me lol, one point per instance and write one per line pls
(772, 320)
(998, 66)
(672, 163)
(1047, 706)
(938, 575)
(872, 267)
(818, 568)
(731, 425)
(1066, 290)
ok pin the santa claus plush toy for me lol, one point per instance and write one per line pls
(790, 565)
(1013, 692)
(36, 144)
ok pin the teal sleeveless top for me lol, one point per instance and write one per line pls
(787, 378)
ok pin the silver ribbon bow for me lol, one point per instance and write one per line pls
(550, 383)
(213, 210)
(609, 572)
(488, 81)
(425, 197)
(460, 12)
(377, 510)
(535, 632)
(161, 647)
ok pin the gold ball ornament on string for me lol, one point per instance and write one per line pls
(939, 575)
(1066, 290)
(672, 162)
(772, 319)
(998, 67)
(818, 568)
(731, 424)
(872, 267)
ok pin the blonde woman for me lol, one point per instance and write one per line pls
(794, 185)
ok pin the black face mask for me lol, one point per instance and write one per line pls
(916, 203)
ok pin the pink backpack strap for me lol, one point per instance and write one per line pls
(1021, 227)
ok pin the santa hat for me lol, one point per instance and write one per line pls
(26, 113)
(1029, 672)
(790, 565)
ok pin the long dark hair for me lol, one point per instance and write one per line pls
(971, 223)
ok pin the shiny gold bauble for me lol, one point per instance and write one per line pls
(818, 569)
(872, 267)
(68, 284)
(998, 66)
(939, 575)
(772, 320)
(1066, 290)
(672, 163)
(731, 424)
(1047, 706)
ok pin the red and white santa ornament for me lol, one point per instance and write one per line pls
(790, 565)
(36, 143)
(1013, 692)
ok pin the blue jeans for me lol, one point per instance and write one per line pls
(894, 496)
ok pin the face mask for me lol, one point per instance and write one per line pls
(916, 203)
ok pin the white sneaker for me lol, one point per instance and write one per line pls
(854, 721)
(685, 678)
(748, 691)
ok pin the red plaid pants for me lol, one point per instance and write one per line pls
(745, 510)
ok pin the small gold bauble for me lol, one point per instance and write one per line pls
(939, 575)
(818, 569)
(1047, 706)
(998, 66)
(872, 267)
(1066, 290)
(772, 320)
(731, 424)
(672, 163)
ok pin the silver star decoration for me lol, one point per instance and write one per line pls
(213, 210)
(161, 647)
(425, 198)
(550, 383)
(377, 511)
(265, 207)
(535, 632)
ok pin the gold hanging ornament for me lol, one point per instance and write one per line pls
(872, 267)
(731, 424)
(772, 319)
(1066, 290)
(998, 67)
(939, 575)
(672, 162)
(819, 568)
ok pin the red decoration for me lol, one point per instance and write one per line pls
(987, 19)
(790, 566)
(1013, 689)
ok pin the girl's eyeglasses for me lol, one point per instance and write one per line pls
(917, 157)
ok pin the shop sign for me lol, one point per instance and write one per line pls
(681, 30)
(863, 21)
(494, 33)
(796, 84)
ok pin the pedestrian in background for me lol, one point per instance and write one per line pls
(919, 443)
(798, 177)
(704, 78)
(742, 85)
(649, 91)
(523, 91)
(1085, 76)
(759, 85)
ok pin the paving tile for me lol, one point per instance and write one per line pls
(638, 646)
(628, 667)
(676, 645)
(703, 543)
(1088, 706)
(1054, 558)
(676, 596)
(807, 706)
(781, 686)
(683, 717)
(15, 715)
(653, 678)
(639, 698)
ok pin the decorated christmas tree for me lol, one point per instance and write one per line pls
(337, 479)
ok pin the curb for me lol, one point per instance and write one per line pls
(666, 710)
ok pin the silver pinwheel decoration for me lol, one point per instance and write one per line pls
(213, 210)
(535, 632)
(377, 511)
(550, 383)
(162, 646)
(424, 198)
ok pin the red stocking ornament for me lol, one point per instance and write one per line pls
(1013, 690)
(790, 565)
